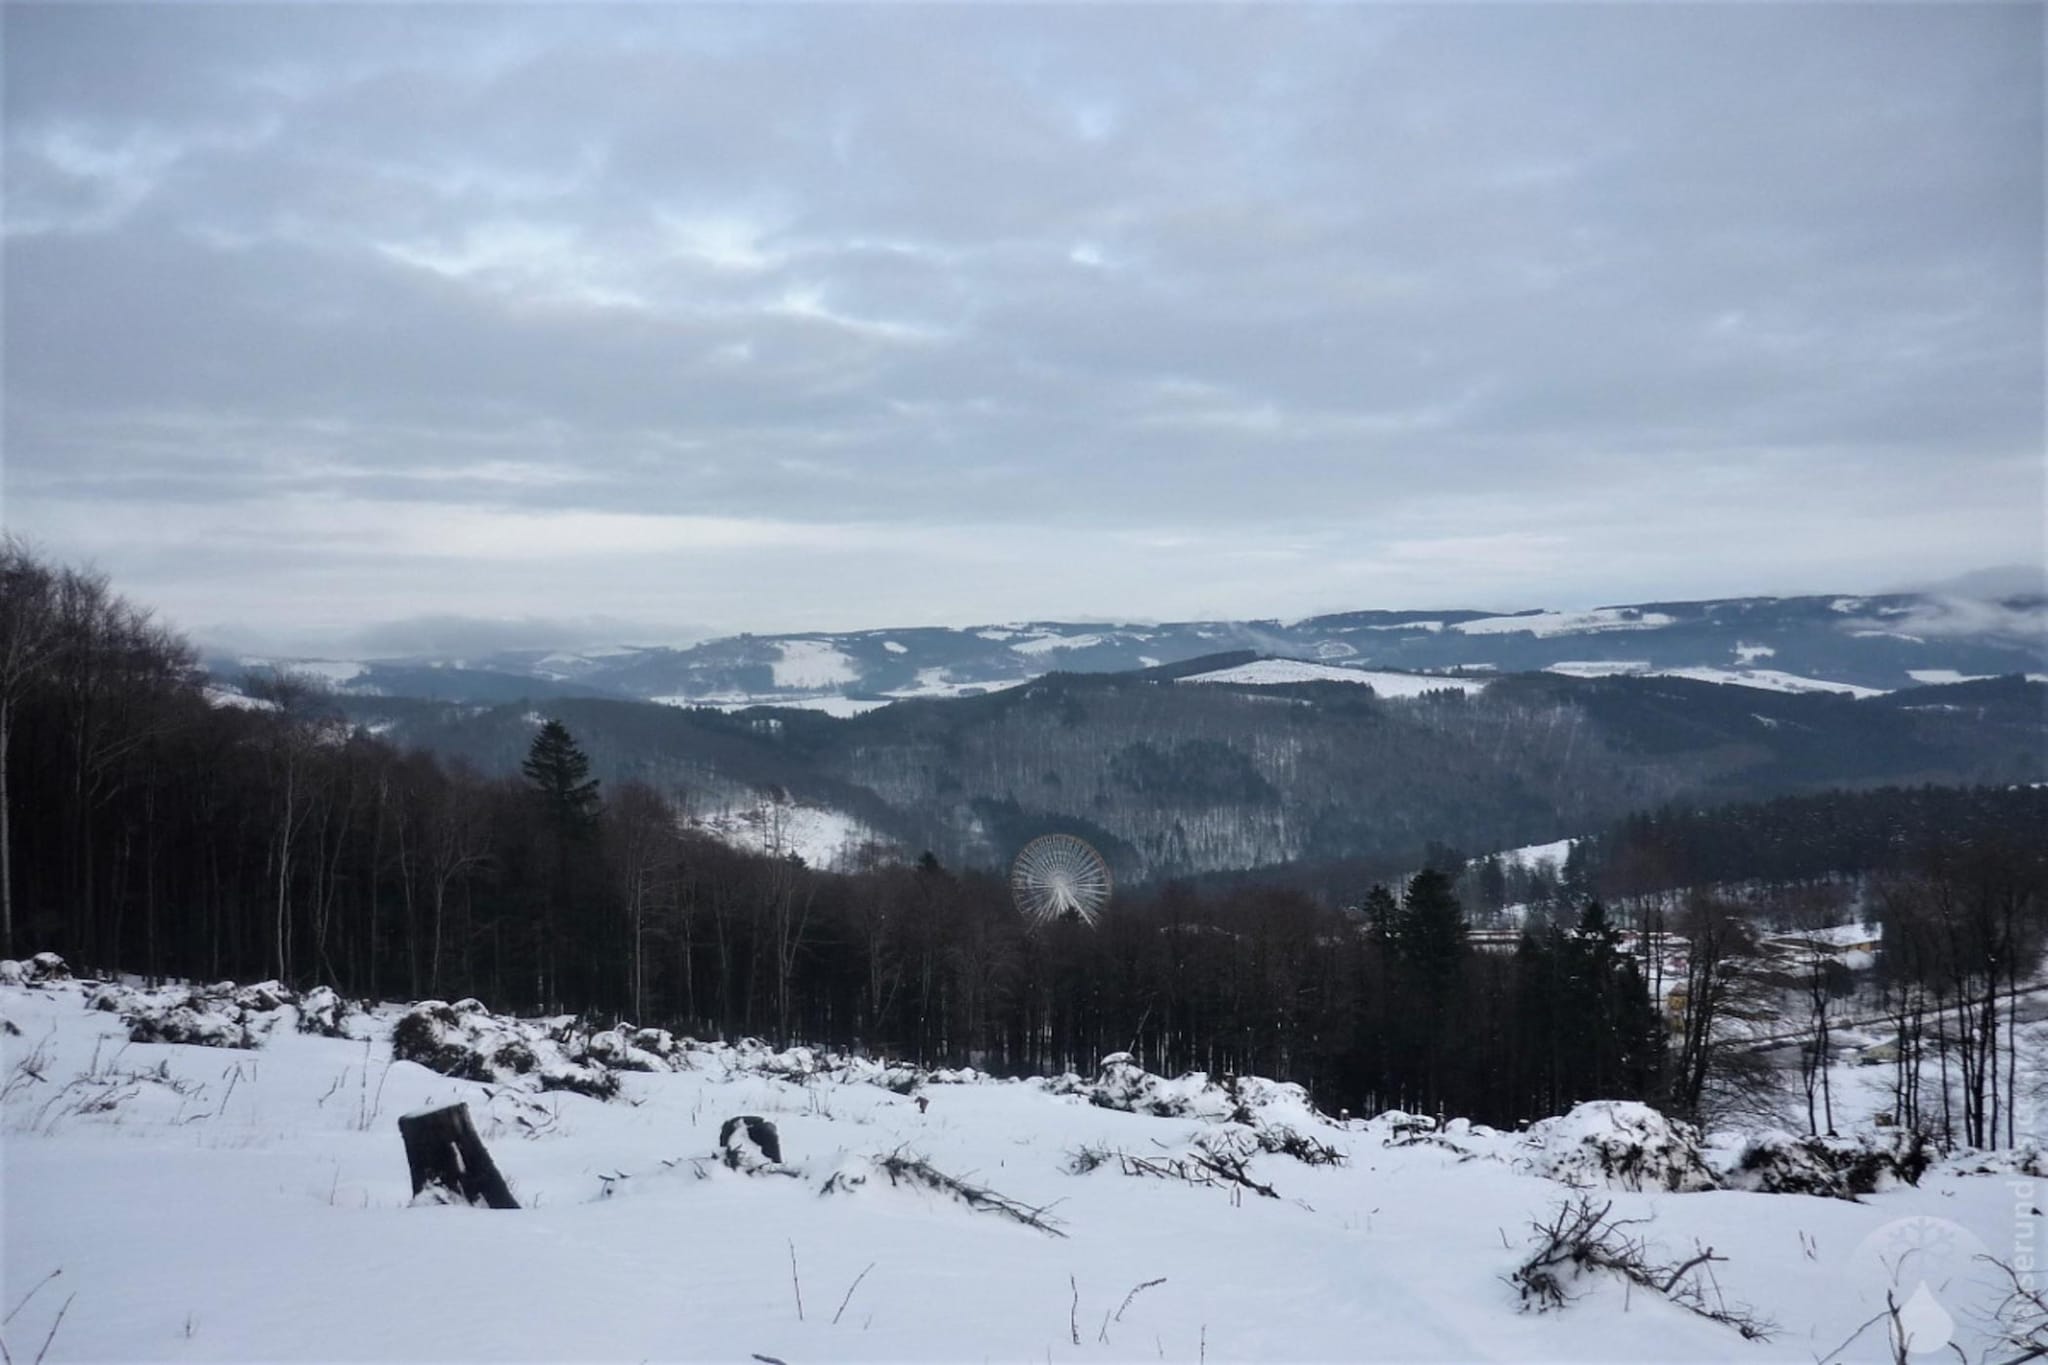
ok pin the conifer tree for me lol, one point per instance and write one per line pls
(560, 774)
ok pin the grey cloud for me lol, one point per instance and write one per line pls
(1395, 283)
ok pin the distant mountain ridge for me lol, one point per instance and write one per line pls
(1861, 645)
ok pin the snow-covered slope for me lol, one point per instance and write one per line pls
(207, 1203)
(1269, 672)
(777, 826)
(1872, 643)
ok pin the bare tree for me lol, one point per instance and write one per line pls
(27, 638)
(1715, 1066)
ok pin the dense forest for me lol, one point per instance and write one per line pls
(1172, 780)
(154, 826)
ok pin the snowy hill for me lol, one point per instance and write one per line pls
(253, 1203)
(1856, 644)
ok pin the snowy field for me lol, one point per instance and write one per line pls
(1269, 672)
(822, 837)
(245, 1204)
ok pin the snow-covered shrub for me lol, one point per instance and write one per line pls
(263, 997)
(34, 971)
(1777, 1162)
(196, 1021)
(1252, 1101)
(594, 1081)
(514, 1055)
(610, 1048)
(324, 1012)
(111, 997)
(445, 1038)
(661, 1043)
(1620, 1143)
(468, 1042)
(1122, 1084)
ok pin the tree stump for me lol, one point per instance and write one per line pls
(748, 1140)
(443, 1150)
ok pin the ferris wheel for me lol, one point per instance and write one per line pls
(1058, 875)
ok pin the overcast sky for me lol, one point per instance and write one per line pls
(339, 325)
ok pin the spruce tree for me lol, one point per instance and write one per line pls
(560, 774)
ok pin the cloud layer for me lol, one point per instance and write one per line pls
(318, 316)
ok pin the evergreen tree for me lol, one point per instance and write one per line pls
(1430, 931)
(560, 774)
(1382, 915)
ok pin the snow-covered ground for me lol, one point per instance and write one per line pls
(1547, 623)
(813, 664)
(1768, 679)
(1267, 672)
(831, 704)
(1553, 853)
(233, 1204)
(822, 837)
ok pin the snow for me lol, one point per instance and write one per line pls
(1547, 623)
(1770, 680)
(1598, 668)
(1269, 672)
(221, 696)
(1765, 679)
(1045, 644)
(831, 705)
(296, 1176)
(938, 682)
(207, 1205)
(813, 664)
(1535, 855)
(822, 837)
(894, 647)
(1936, 676)
(1749, 654)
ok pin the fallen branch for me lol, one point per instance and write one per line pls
(1103, 1335)
(915, 1170)
(31, 1294)
(1232, 1169)
(1582, 1236)
(53, 1329)
(849, 1292)
(795, 1283)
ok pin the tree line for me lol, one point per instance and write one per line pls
(153, 826)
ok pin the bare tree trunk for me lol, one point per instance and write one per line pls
(284, 863)
(6, 835)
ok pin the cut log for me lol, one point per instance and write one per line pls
(444, 1152)
(748, 1140)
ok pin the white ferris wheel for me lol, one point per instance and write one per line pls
(1058, 875)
